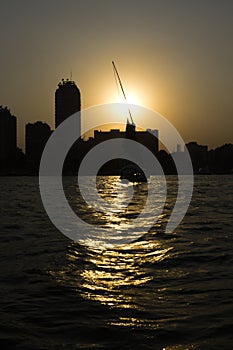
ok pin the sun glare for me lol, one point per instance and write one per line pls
(131, 99)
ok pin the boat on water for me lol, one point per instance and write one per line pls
(132, 174)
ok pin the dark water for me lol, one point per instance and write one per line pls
(165, 291)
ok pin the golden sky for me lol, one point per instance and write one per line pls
(173, 56)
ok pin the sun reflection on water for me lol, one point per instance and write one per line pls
(113, 275)
(123, 210)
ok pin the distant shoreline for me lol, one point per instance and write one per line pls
(72, 175)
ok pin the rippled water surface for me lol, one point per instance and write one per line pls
(162, 291)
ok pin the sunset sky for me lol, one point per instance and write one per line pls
(174, 56)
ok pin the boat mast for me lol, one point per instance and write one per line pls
(122, 89)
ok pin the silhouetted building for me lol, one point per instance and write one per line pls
(130, 130)
(167, 163)
(148, 138)
(7, 140)
(198, 154)
(20, 164)
(220, 160)
(36, 136)
(67, 101)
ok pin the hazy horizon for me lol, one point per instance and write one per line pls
(175, 57)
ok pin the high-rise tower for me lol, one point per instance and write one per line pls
(7, 140)
(67, 101)
(36, 136)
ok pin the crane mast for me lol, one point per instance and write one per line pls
(122, 89)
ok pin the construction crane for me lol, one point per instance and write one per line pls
(122, 89)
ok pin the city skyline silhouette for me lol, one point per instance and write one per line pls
(174, 59)
(116, 174)
(67, 99)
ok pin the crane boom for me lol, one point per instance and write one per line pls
(122, 89)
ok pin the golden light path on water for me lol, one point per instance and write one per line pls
(115, 275)
(117, 269)
(135, 283)
(111, 276)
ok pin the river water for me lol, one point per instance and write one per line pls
(163, 291)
